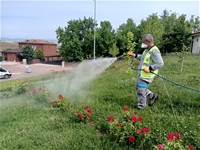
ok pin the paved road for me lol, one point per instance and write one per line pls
(18, 69)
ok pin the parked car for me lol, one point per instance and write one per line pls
(4, 74)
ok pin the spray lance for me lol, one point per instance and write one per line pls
(129, 54)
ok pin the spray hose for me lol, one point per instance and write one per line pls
(183, 86)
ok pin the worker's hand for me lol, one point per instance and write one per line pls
(131, 54)
(146, 69)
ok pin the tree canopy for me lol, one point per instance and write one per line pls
(27, 52)
(171, 33)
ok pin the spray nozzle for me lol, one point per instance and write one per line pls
(131, 54)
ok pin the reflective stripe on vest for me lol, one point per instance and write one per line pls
(147, 61)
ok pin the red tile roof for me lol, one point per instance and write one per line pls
(18, 50)
(37, 41)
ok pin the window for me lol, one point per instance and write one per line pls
(33, 47)
(197, 39)
(2, 70)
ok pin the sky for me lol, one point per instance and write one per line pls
(28, 19)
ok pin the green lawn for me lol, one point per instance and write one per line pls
(29, 121)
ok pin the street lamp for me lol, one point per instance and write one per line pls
(94, 25)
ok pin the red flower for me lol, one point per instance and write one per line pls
(145, 130)
(119, 124)
(140, 118)
(190, 147)
(126, 108)
(40, 88)
(172, 136)
(86, 107)
(53, 101)
(178, 136)
(60, 96)
(89, 114)
(89, 109)
(111, 118)
(134, 119)
(34, 91)
(80, 115)
(131, 139)
(160, 147)
(135, 112)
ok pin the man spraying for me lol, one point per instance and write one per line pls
(150, 61)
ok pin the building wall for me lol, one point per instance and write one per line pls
(196, 45)
(10, 57)
(33, 45)
(50, 50)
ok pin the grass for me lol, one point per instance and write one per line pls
(30, 122)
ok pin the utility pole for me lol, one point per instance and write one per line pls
(94, 25)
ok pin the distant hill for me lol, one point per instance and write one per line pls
(8, 45)
(20, 39)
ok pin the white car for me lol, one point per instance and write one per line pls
(4, 74)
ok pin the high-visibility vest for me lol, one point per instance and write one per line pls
(147, 61)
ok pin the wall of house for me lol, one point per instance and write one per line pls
(33, 45)
(196, 45)
(50, 50)
(10, 57)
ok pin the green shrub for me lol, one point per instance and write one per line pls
(40, 94)
(128, 129)
(38, 54)
(59, 102)
(21, 87)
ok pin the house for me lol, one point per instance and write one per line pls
(4, 45)
(49, 49)
(195, 45)
(12, 55)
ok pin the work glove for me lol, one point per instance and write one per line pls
(146, 69)
(131, 54)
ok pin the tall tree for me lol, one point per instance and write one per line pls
(195, 23)
(152, 25)
(180, 34)
(76, 39)
(105, 38)
(122, 32)
(114, 50)
(176, 32)
(27, 52)
(168, 20)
